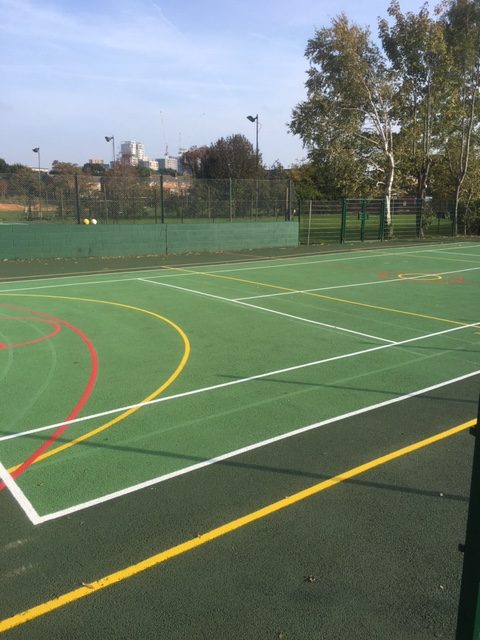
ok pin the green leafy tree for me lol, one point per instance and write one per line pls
(462, 24)
(25, 185)
(193, 161)
(416, 48)
(349, 105)
(126, 193)
(93, 169)
(231, 157)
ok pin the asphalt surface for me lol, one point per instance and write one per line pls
(375, 557)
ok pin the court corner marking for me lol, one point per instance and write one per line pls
(21, 499)
(229, 527)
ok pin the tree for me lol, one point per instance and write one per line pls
(415, 45)
(126, 192)
(193, 161)
(10, 168)
(25, 184)
(231, 157)
(462, 23)
(349, 105)
(93, 169)
(64, 168)
(277, 171)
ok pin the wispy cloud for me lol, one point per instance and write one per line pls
(115, 65)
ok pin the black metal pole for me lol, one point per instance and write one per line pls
(162, 202)
(77, 197)
(468, 619)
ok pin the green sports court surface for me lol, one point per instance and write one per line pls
(170, 410)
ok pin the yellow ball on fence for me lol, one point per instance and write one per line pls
(86, 221)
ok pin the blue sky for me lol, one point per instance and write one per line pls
(163, 72)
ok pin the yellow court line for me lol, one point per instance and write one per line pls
(125, 414)
(213, 534)
(319, 295)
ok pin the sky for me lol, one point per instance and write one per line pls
(168, 73)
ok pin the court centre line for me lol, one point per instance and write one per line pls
(259, 376)
(360, 284)
(279, 313)
(222, 530)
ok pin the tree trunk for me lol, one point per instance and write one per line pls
(455, 211)
(388, 193)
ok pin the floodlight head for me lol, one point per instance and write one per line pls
(108, 138)
(36, 150)
(252, 118)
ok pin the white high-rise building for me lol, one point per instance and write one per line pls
(132, 152)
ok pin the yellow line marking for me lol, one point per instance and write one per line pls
(420, 276)
(319, 295)
(229, 527)
(129, 412)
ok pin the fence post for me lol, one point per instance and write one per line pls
(309, 222)
(381, 227)
(289, 200)
(231, 198)
(77, 197)
(363, 215)
(468, 618)
(343, 226)
(419, 217)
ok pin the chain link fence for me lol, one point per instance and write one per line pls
(28, 196)
(362, 219)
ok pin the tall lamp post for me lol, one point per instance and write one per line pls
(255, 119)
(112, 140)
(37, 151)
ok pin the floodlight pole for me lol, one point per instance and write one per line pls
(37, 151)
(112, 140)
(255, 119)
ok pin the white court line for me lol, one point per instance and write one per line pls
(231, 383)
(359, 284)
(176, 272)
(278, 313)
(195, 467)
(165, 272)
(19, 496)
(451, 253)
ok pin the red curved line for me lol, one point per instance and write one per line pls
(56, 330)
(83, 399)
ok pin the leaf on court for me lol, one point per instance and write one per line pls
(87, 584)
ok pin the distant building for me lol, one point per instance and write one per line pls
(41, 169)
(149, 164)
(132, 153)
(168, 163)
(96, 161)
